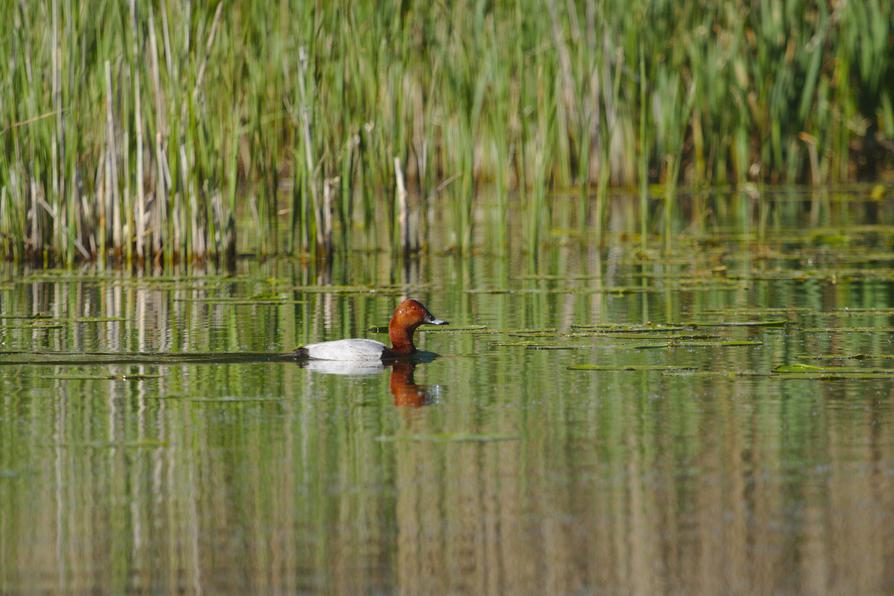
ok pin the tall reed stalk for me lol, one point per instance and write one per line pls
(173, 130)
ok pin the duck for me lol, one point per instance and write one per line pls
(408, 315)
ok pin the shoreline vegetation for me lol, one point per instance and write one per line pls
(164, 131)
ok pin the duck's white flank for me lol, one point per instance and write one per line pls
(346, 349)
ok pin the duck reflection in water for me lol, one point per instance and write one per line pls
(405, 391)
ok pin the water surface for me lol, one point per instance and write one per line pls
(138, 453)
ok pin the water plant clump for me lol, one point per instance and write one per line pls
(175, 130)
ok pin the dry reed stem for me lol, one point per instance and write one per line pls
(112, 156)
(403, 220)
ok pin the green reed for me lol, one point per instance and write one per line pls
(172, 130)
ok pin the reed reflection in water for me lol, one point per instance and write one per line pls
(277, 497)
(518, 475)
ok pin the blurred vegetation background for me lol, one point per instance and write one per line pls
(164, 130)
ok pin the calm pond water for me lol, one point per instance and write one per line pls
(725, 427)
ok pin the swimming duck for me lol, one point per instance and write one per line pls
(408, 315)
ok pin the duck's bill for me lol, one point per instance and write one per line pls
(433, 321)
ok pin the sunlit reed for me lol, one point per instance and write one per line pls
(171, 130)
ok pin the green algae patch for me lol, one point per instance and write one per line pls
(629, 367)
(627, 328)
(656, 346)
(547, 332)
(800, 370)
(664, 337)
(552, 347)
(757, 323)
(758, 311)
(847, 330)
(544, 333)
(448, 438)
(712, 374)
(800, 367)
(535, 345)
(518, 332)
(837, 376)
(452, 328)
(731, 343)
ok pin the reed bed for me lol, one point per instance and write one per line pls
(172, 130)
